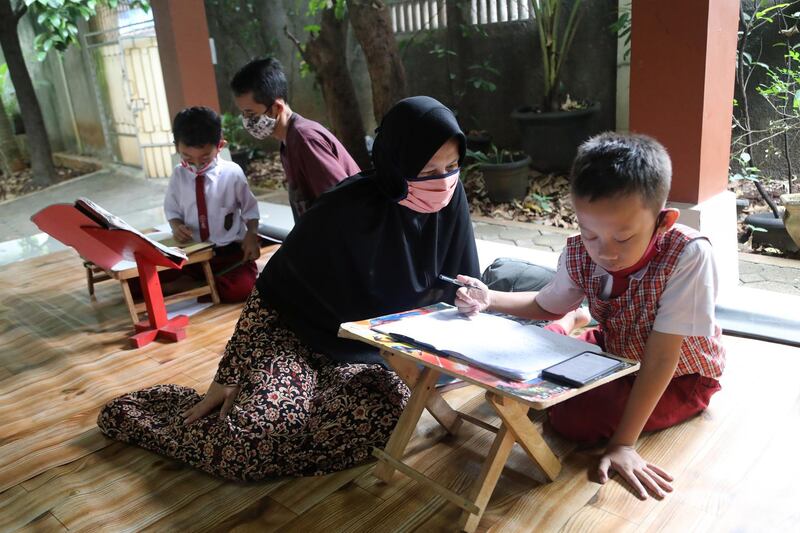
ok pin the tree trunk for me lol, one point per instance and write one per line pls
(10, 155)
(327, 56)
(457, 19)
(43, 170)
(372, 26)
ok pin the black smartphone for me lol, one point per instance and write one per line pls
(582, 369)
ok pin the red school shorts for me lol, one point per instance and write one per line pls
(595, 415)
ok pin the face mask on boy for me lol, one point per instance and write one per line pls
(431, 193)
(197, 170)
(259, 127)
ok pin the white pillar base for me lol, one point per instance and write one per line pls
(716, 219)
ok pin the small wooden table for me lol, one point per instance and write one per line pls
(96, 274)
(510, 399)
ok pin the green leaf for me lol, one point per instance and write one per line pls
(313, 29)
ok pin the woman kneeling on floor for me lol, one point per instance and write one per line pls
(290, 398)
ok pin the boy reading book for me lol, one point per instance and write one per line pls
(208, 200)
(651, 285)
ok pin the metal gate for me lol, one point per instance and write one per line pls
(122, 52)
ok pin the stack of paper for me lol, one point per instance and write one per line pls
(499, 345)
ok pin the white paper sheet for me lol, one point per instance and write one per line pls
(186, 307)
(497, 344)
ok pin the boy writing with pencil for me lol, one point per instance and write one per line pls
(651, 285)
(208, 200)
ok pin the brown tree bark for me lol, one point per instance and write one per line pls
(372, 26)
(327, 55)
(10, 154)
(43, 170)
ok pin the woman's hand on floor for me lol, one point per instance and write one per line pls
(642, 476)
(217, 394)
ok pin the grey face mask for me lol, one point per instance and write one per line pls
(259, 127)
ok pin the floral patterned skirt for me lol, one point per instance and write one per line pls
(298, 412)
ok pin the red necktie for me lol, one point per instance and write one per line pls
(202, 210)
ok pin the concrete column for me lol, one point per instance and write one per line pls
(681, 93)
(185, 52)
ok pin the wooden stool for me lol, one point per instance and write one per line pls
(95, 274)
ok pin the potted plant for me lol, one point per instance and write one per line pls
(239, 141)
(479, 140)
(506, 174)
(552, 130)
(791, 215)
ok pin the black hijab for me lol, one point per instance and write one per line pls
(359, 254)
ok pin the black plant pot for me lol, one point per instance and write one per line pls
(242, 158)
(479, 142)
(552, 138)
(506, 182)
(775, 235)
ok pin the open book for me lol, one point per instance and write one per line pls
(496, 344)
(110, 221)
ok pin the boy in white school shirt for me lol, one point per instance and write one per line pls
(208, 200)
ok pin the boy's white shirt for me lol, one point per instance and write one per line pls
(226, 191)
(686, 306)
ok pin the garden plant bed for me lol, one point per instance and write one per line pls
(747, 190)
(266, 174)
(547, 201)
(20, 183)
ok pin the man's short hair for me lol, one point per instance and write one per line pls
(262, 77)
(614, 164)
(197, 126)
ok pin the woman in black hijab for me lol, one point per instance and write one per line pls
(290, 398)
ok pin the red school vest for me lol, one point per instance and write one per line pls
(627, 320)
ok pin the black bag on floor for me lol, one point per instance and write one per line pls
(515, 275)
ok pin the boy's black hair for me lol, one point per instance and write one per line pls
(614, 164)
(197, 126)
(262, 77)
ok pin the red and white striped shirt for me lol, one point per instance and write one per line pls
(626, 321)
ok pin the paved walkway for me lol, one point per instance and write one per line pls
(122, 190)
(127, 193)
(755, 271)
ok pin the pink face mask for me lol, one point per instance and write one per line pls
(432, 194)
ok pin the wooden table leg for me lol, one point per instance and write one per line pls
(515, 416)
(89, 279)
(211, 283)
(481, 489)
(437, 406)
(407, 423)
(126, 294)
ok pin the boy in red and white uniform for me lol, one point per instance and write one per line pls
(651, 285)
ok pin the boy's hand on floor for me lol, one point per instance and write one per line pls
(181, 232)
(640, 475)
(250, 247)
(217, 394)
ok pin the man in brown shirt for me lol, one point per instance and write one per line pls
(313, 159)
